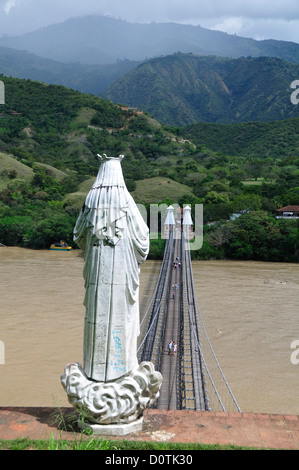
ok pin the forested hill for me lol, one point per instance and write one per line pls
(184, 89)
(261, 140)
(49, 136)
(64, 128)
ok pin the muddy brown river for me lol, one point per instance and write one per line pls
(250, 311)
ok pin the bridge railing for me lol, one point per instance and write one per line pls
(219, 394)
(153, 324)
(193, 384)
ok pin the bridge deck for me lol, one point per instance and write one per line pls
(169, 362)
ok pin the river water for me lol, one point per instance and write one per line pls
(250, 311)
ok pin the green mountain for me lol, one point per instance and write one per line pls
(57, 126)
(103, 40)
(49, 136)
(184, 89)
(278, 139)
(85, 78)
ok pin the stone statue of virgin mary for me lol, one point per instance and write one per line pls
(115, 240)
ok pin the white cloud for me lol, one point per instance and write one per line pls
(230, 25)
(9, 5)
(258, 29)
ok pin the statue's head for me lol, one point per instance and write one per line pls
(110, 172)
(104, 157)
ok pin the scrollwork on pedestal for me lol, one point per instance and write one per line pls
(121, 401)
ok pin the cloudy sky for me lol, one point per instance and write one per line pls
(275, 19)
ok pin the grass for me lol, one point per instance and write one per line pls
(155, 190)
(77, 199)
(84, 116)
(86, 440)
(7, 162)
(58, 174)
(152, 190)
(252, 181)
(95, 443)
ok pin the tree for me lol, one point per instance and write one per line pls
(241, 202)
(256, 169)
(212, 197)
(220, 236)
(46, 231)
(260, 237)
(14, 230)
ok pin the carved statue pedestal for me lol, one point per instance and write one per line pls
(116, 407)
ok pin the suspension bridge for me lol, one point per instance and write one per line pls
(192, 376)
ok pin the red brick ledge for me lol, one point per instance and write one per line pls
(272, 431)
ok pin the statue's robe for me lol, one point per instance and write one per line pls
(115, 238)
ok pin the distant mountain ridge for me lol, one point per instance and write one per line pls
(216, 77)
(182, 89)
(104, 40)
(85, 78)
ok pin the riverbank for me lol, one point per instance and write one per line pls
(259, 431)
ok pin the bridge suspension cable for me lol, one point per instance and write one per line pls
(220, 396)
(193, 378)
(150, 346)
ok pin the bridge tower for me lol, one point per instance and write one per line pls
(169, 222)
(188, 223)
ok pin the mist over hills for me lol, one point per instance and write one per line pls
(82, 77)
(104, 40)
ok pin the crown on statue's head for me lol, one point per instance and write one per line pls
(105, 158)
